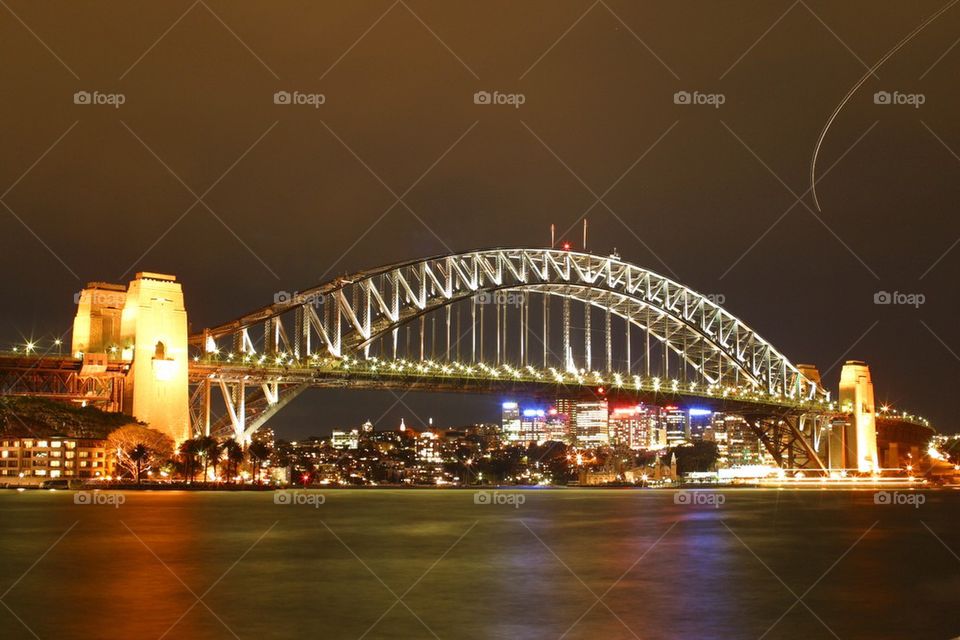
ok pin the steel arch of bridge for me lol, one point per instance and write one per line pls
(323, 336)
(359, 309)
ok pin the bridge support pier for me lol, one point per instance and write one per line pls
(788, 441)
(144, 324)
(859, 437)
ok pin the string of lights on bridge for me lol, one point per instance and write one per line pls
(502, 372)
(387, 367)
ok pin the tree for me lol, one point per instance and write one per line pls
(209, 449)
(258, 453)
(235, 456)
(699, 456)
(139, 454)
(125, 440)
(189, 450)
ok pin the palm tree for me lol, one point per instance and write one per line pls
(258, 452)
(189, 450)
(235, 456)
(208, 448)
(139, 455)
(213, 452)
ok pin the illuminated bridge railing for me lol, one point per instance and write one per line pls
(287, 370)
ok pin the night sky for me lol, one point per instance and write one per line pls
(200, 174)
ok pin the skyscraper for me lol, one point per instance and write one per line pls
(677, 423)
(592, 423)
(533, 425)
(510, 421)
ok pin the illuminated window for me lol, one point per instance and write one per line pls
(56, 443)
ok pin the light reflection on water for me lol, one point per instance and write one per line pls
(585, 563)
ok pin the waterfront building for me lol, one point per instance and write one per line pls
(54, 457)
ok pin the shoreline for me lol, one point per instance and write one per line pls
(879, 486)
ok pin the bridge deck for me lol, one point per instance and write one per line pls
(484, 378)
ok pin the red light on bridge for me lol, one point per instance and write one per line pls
(566, 246)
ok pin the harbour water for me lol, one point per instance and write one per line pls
(453, 564)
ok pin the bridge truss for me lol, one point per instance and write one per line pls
(533, 320)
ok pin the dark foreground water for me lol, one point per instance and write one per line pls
(435, 564)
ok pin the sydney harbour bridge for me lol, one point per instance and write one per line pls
(527, 321)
